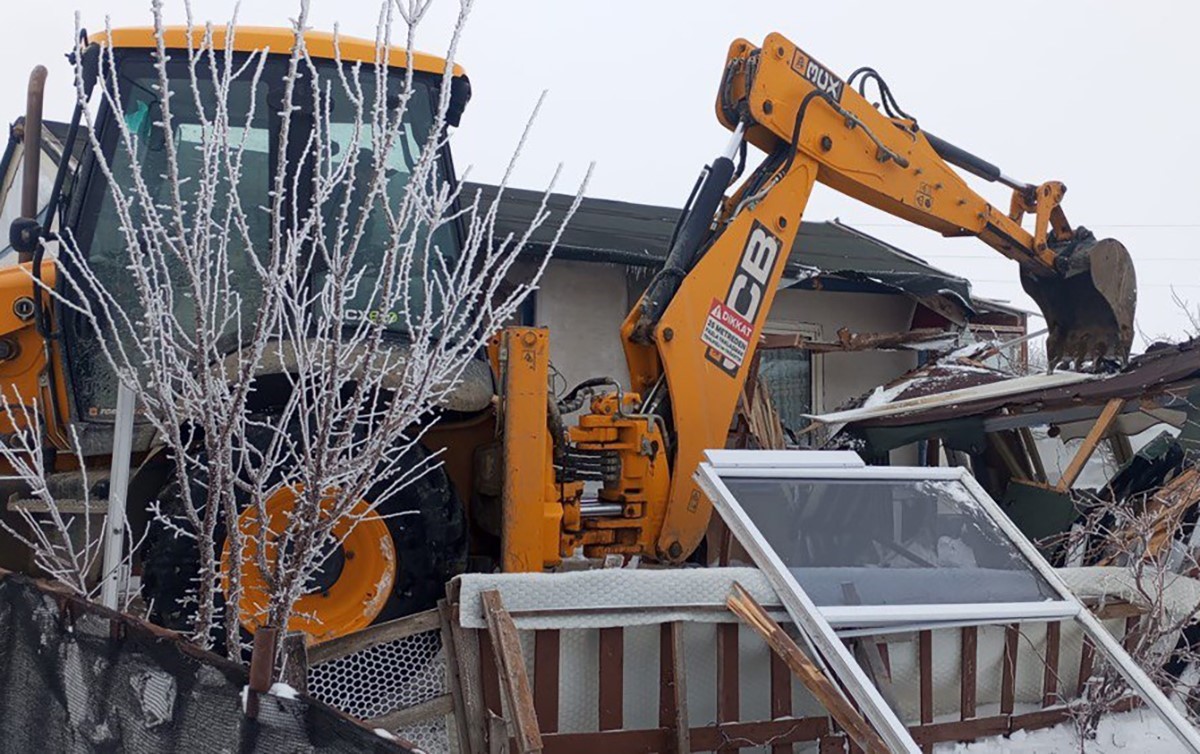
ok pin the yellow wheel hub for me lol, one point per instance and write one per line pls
(349, 591)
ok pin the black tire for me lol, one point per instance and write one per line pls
(430, 549)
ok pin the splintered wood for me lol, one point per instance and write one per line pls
(514, 681)
(817, 683)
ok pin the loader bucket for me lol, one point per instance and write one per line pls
(1089, 305)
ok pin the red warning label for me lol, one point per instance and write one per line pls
(727, 332)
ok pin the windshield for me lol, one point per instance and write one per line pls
(105, 243)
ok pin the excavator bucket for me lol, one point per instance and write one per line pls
(1089, 305)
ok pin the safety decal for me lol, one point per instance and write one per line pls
(727, 332)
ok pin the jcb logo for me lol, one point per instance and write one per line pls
(818, 75)
(749, 286)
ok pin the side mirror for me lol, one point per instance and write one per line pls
(25, 232)
(90, 66)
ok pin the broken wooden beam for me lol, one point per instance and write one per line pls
(520, 714)
(817, 683)
(1099, 429)
(855, 341)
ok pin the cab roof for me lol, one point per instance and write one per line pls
(278, 40)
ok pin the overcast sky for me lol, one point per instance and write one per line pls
(1099, 95)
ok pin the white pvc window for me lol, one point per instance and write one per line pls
(891, 549)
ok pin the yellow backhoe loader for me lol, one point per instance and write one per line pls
(618, 480)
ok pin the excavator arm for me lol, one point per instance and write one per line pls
(1086, 288)
(697, 325)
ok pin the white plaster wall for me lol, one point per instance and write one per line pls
(846, 375)
(583, 304)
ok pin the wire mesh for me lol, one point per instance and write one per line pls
(382, 678)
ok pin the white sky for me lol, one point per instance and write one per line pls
(1099, 95)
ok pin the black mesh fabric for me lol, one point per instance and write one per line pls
(78, 678)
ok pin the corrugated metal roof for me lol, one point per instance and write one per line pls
(604, 230)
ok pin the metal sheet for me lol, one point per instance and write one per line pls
(955, 398)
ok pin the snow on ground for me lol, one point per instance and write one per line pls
(1126, 733)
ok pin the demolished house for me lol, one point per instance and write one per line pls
(1032, 439)
(853, 311)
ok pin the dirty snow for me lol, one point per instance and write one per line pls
(1126, 733)
(283, 691)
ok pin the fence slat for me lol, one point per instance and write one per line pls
(781, 696)
(1008, 678)
(970, 658)
(728, 703)
(925, 670)
(612, 677)
(545, 678)
(672, 688)
(1050, 680)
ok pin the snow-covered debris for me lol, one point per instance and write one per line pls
(1126, 733)
(283, 691)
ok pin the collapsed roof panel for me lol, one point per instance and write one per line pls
(1154, 380)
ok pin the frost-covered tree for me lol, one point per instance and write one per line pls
(302, 289)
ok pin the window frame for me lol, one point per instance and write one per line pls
(817, 625)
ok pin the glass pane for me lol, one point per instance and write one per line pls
(888, 542)
(370, 255)
(787, 373)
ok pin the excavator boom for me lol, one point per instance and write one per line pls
(699, 321)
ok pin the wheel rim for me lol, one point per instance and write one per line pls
(346, 596)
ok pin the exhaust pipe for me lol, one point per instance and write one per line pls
(25, 231)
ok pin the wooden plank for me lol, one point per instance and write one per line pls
(490, 680)
(545, 678)
(1045, 718)
(817, 683)
(521, 717)
(1031, 450)
(497, 734)
(648, 741)
(728, 703)
(1008, 672)
(1100, 428)
(612, 677)
(439, 706)
(960, 730)
(467, 706)
(833, 744)
(925, 674)
(1116, 608)
(293, 654)
(1050, 679)
(726, 736)
(672, 688)
(781, 697)
(381, 633)
(970, 657)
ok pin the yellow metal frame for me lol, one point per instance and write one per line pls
(319, 44)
